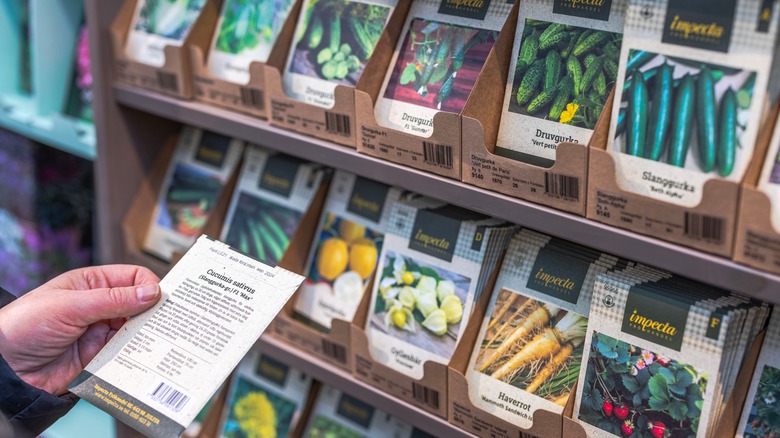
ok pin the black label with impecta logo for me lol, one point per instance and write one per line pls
(765, 16)
(475, 9)
(558, 275)
(655, 317)
(279, 174)
(704, 24)
(435, 234)
(368, 199)
(592, 9)
(355, 410)
(272, 370)
(212, 149)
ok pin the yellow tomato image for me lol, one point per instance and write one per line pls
(332, 258)
(362, 257)
(407, 277)
(350, 231)
(256, 416)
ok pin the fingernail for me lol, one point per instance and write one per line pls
(147, 292)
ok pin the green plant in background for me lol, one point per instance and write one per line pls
(245, 23)
(323, 427)
(628, 389)
(764, 419)
(564, 73)
(169, 18)
(257, 413)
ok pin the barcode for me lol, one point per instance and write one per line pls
(425, 395)
(439, 154)
(167, 81)
(334, 351)
(170, 397)
(703, 227)
(564, 186)
(337, 123)
(252, 97)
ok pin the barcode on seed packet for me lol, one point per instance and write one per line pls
(169, 397)
(167, 82)
(438, 154)
(334, 351)
(252, 98)
(704, 227)
(337, 123)
(425, 395)
(562, 185)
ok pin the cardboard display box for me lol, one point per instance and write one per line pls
(337, 124)
(757, 241)
(708, 226)
(562, 186)
(249, 98)
(174, 78)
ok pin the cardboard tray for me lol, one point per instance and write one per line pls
(757, 240)
(336, 124)
(562, 186)
(397, 146)
(174, 78)
(248, 98)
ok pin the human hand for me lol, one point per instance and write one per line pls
(48, 335)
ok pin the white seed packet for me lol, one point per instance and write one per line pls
(435, 260)
(200, 166)
(759, 415)
(549, 98)
(437, 60)
(716, 59)
(273, 193)
(769, 181)
(153, 375)
(334, 40)
(266, 398)
(541, 301)
(160, 23)
(338, 414)
(245, 33)
(346, 248)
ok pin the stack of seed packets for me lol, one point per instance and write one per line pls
(274, 191)
(345, 250)
(266, 398)
(530, 344)
(337, 414)
(160, 23)
(566, 63)
(334, 40)
(435, 261)
(762, 410)
(437, 61)
(661, 354)
(201, 165)
(690, 94)
(245, 33)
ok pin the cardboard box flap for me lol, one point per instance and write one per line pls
(285, 39)
(204, 28)
(763, 141)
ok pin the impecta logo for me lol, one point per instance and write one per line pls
(434, 234)
(704, 24)
(475, 9)
(654, 317)
(592, 9)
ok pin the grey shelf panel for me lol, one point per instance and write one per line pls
(675, 258)
(331, 375)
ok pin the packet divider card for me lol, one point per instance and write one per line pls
(566, 62)
(334, 40)
(154, 374)
(160, 23)
(273, 193)
(266, 398)
(201, 165)
(346, 249)
(690, 94)
(245, 33)
(437, 60)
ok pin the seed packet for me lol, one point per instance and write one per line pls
(199, 168)
(337, 414)
(435, 260)
(760, 413)
(689, 96)
(344, 254)
(565, 65)
(333, 41)
(160, 23)
(437, 60)
(274, 191)
(266, 398)
(246, 32)
(529, 349)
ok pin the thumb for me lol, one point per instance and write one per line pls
(100, 304)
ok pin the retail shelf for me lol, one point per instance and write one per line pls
(675, 258)
(338, 378)
(74, 137)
